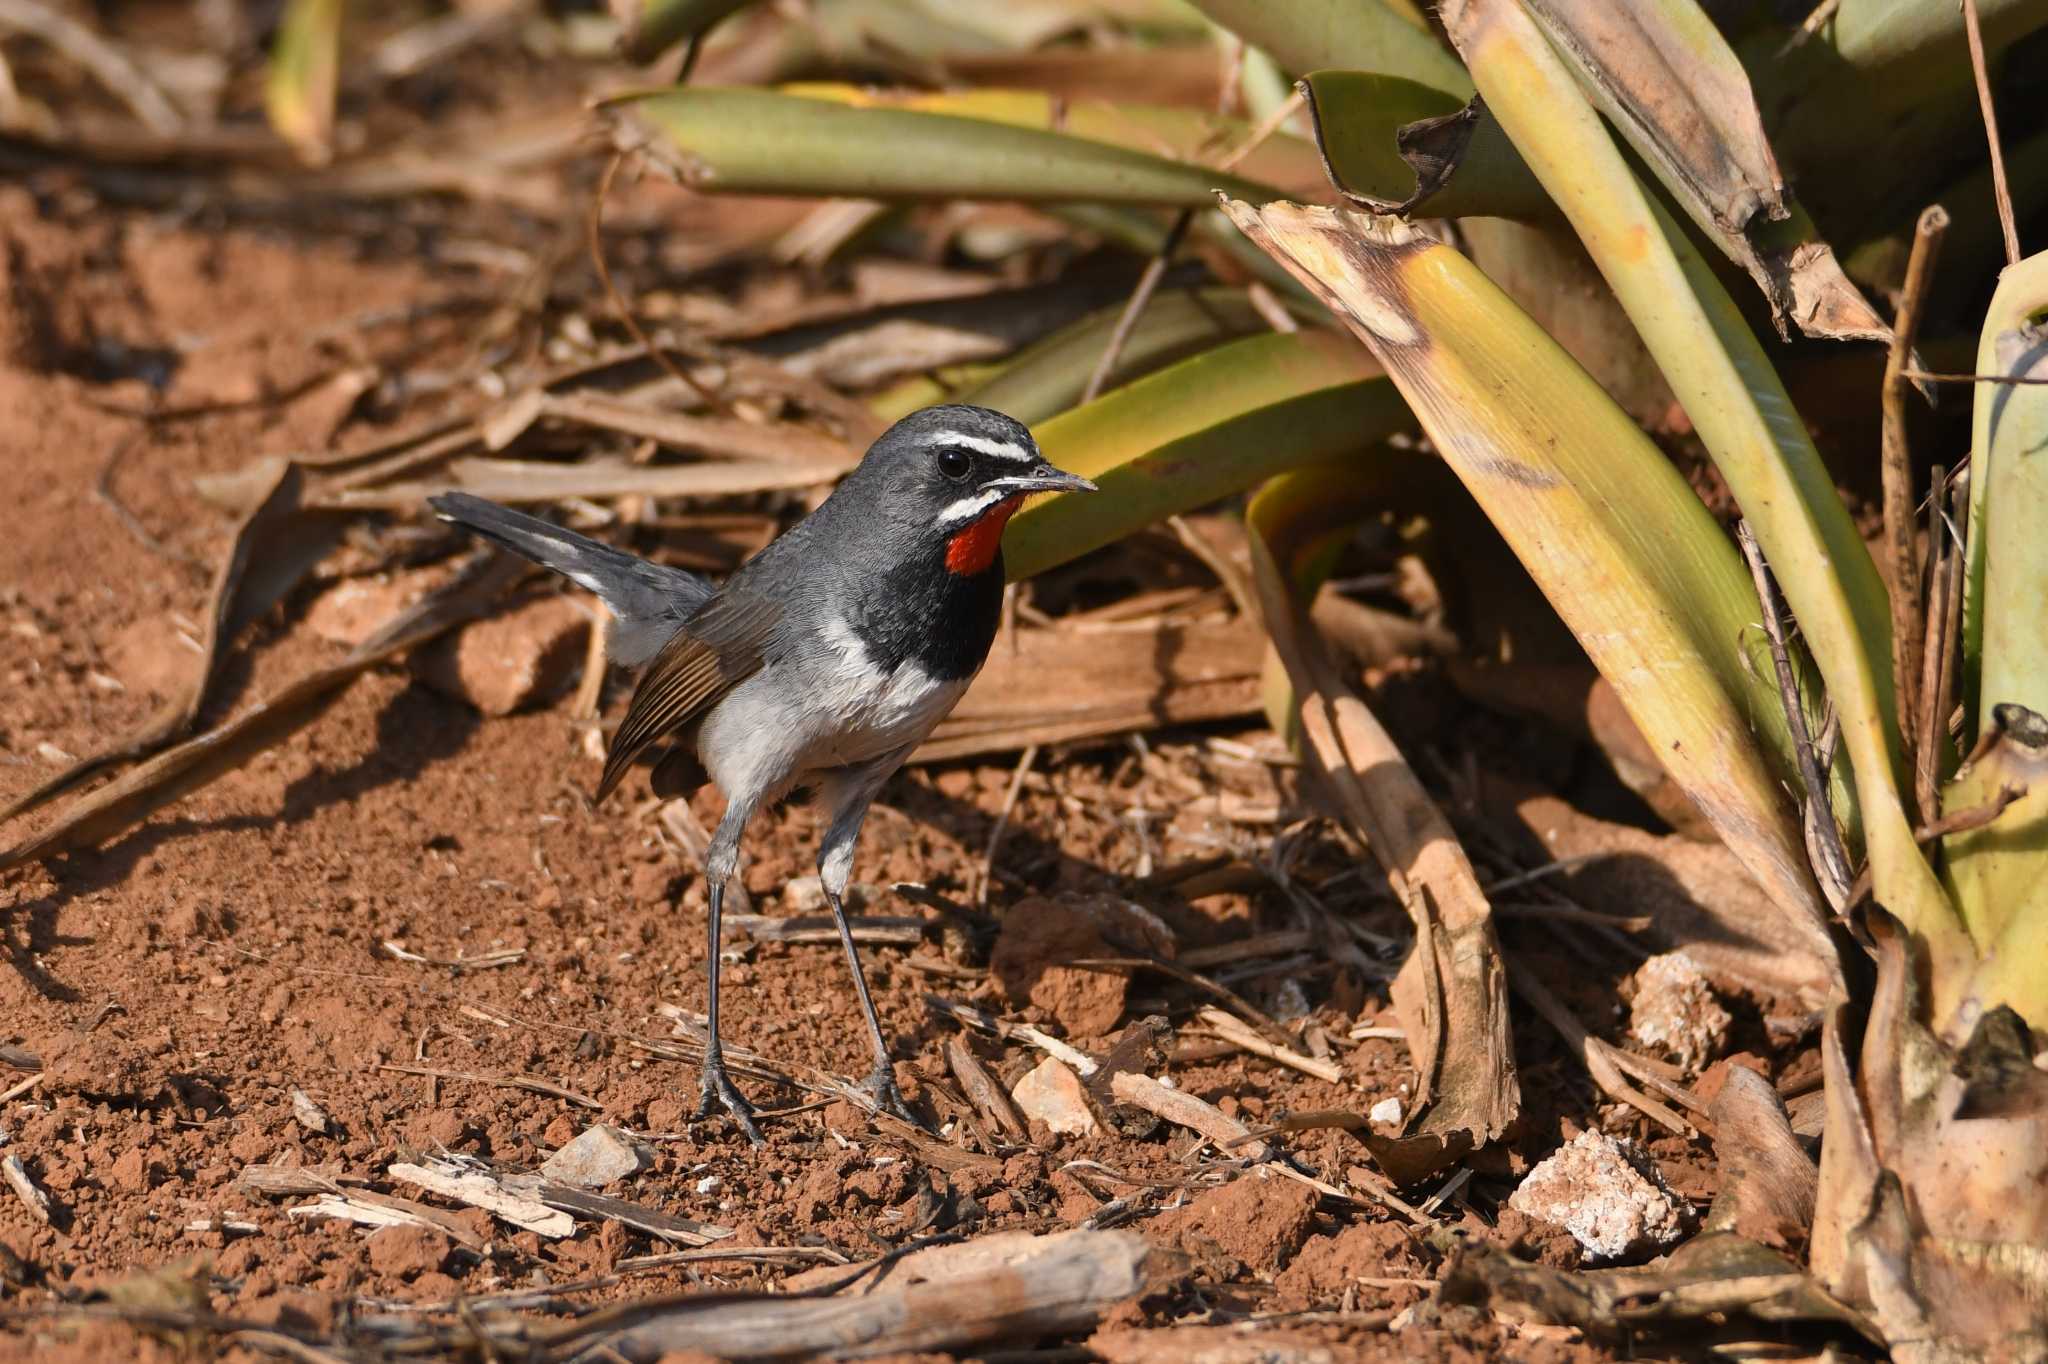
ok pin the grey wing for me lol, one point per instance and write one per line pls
(649, 602)
(720, 647)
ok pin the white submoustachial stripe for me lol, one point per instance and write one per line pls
(967, 508)
(995, 449)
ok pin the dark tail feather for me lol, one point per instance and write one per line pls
(649, 602)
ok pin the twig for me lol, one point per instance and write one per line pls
(1921, 376)
(1976, 817)
(525, 1082)
(1233, 1031)
(1834, 858)
(1266, 1026)
(110, 66)
(103, 489)
(611, 290)
(1597, 1056)
(33, 1198)
(1002, 824)
(1814, 23)
(2000, 190)
(1937, 677)
(1899, 521)
(1148, 284)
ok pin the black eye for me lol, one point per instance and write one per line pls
(955, 464)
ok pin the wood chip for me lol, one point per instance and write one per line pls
(1197, 1115)
(36, 1201)
(984, 1091)
(480, 1190)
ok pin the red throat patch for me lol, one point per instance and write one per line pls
(972, 548)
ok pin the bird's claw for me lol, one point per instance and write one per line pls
(715, 1089)
(880, 1087)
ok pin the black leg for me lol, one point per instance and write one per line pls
(716, 1085)
(881, 1082)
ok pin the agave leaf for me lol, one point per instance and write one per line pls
(1198, 431)
(1391, 144)
(1624, 550)
(299, 87)
(1352, 35)
(1738, 405)
(648, 28)
(1195, 136)
(2000, 872)
(1051, 376)
(765, 142)
(1662, 73)
(2005, 649)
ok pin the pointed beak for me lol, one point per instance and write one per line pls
(1045, 479)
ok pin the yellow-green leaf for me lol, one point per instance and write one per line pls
(1199, 431)
(1621, 546)
(764, 142)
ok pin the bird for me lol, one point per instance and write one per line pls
(822, 662)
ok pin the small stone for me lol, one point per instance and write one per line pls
(405, 1251)
(1387, 1112)
(709, 1185)
(1675, 1012)
(510, 661)
(352, 611)
(600, 1155)
(1608, 1194)
(308, 1114)
(1052, 1094)
(806, 895)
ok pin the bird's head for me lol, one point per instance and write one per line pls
(957, 473)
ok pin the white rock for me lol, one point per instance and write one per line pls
(1052, 1094)
(308, 1114)
(1675, 1012)
(1608, 1194)
(710, 1184)
(1387, 1111)
(600, 1155)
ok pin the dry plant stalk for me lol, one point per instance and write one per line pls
(1452, 992)
(1900, 524)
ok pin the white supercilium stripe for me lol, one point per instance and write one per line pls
(967, 508)
(996, 449)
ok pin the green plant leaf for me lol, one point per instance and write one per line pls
(1198, 431)
(764, 142)
(1389, 143)
(1739, 407)
(299, 86)
(1619, 543)
(1663, 75)
(2000, 872)
(1050, 377)
(1196, 136)
(648, 28)
(1352, 35)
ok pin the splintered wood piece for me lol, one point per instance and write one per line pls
(983, 1091)
(34, 1199)
(1175, 673)
(1185, 1110)
(885, 930)
(1024, 1289)
(480, 1190)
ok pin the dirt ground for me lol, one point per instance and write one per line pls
(183, 982)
